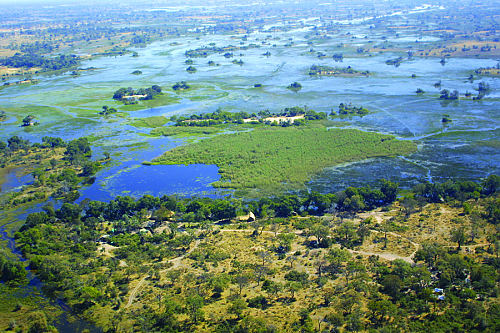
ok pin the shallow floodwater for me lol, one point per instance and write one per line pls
(462, 149)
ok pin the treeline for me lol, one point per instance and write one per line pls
(46, 63)
(262, 117)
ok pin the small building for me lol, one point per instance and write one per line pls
(246, 218)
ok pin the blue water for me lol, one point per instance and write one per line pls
(137, 180)
(14, 183)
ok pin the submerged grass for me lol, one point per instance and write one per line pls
(283, 157)
(151, 122)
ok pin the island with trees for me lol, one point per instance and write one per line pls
(295, 86)
(349, 109)
(181, 86)
(129, 95)
(336, 71)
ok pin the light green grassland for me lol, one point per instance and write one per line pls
(283, 157)
(152, 122)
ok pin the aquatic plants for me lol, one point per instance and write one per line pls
(283, 157)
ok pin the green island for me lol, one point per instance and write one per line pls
(130, 96)
(275, 157)
(203, 52)
(349, 109)
(181, 86)
(335, 71)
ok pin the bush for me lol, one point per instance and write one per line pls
(258, 302)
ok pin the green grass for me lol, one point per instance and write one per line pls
(283, 157)
(152, 122)
(489, 143)
(185, 131)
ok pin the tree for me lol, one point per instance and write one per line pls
(11, 271)
(491, 185)
(336, 258)
(295, 86)
(237, 307)
(458, 235)
(37, 173)
(265, 256)
(391, 285)
(291, 259)
(194, 304)
(363, 232)
(90, 168)
(390, 190)
(53, 141)
(381, 311)
(242, 281)
(53, 163)
(293, 287)
(259, 272)
(409, 205)
(272, 287)
(27, 121)
(347, 230)
(320, 232)
(349, 300)
(445, 94)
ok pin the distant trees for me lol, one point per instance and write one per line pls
(107, 110)
(345, 109)
(181, 86)
(445, 94)
(146, 94)
(295, 86)
(31, 60)
(395, 62)
(328, 70)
